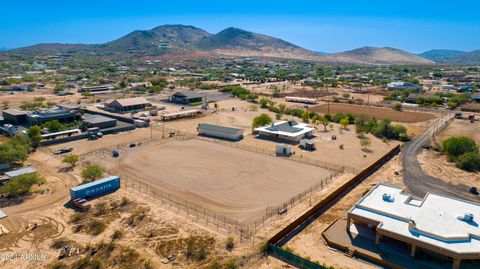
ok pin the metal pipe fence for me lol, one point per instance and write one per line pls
(330, 166)
(210, 217)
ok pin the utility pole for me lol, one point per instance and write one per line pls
(328, 105)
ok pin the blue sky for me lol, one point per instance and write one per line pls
(329, 26)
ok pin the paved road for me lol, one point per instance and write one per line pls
(418, 182)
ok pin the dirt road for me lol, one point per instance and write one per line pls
(420, 183)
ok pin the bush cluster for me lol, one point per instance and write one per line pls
(463, 151)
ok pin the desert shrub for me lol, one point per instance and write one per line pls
(215, 265)
(118, 234)
(60, 243)
(456, 146)
(87, 263)
(231, 264)
(136, 217)
(21, 185)
(469, 161)
(58, 265)
(95, 227)
(230, 244)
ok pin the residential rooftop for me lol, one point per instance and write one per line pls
(437, 220)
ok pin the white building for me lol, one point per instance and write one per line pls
(444, 226)
(286, 130)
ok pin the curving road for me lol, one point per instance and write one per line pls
(420, 183)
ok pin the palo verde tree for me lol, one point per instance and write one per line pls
(35, 135)
(261, 120)
(72, 160)
(92, 172)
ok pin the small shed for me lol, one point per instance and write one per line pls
(220, 131)
(283, 149)
(20, 172)
(307, 144)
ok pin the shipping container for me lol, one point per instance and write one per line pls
(95, 188)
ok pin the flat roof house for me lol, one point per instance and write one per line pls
(186, 97)
(286, 130)
(441, 227)
(14, 116)
(99, 121)
(220, 131)
(127, 104)
(58, 113)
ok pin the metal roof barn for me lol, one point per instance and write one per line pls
(220, 131)
(20, 172)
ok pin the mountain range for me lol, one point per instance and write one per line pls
(185, 41)
(452, 56)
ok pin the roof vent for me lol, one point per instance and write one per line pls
(468, 217)
(387, 197)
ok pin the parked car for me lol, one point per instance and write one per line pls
(132, 145)
(63, 150)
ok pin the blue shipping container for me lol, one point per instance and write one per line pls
(95, 188)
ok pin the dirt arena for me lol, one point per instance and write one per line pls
(232, 182)
(379, 113)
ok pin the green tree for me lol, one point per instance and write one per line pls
(324, 121)
(306, 116)
(35, 135)
(92, 172)
(458, 145)
(345, 122)
(397, 107)
(281, 108)
(5, 104)
(261, 120)
(20, 186)
(469, 161)
(263, 102)
(15, 149)
(54, 126)
(72, 160)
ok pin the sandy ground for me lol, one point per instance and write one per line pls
(159, 225)
(233, 182)
(379, 113)
(436, 164)
(462, 128)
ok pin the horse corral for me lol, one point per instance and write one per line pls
(233, 182)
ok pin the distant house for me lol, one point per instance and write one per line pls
(220, 131)
(186, 97)
(286, 130)
(128, 104)
(100, 88)
(140, 85)
(400, 85)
